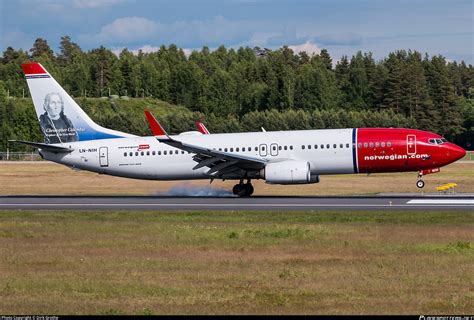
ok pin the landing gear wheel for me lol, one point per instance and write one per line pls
(238, 190)
(248, 189)
(243, 190)
(420, 184)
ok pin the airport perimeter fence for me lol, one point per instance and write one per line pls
(20, 156)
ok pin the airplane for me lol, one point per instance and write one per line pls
(73, 139)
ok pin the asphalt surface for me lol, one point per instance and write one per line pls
(403, 202)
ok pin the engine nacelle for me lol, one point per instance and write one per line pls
(288, 172)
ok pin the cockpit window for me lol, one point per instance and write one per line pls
(437, 141)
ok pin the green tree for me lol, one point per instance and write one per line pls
(443, 96)
(41, 48)
(326, 59)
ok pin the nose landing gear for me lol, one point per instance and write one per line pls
(243, 190)
(420, 183)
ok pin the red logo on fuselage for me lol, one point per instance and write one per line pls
(143, 146)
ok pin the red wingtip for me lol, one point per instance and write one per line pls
(33, 68)
(154, 125)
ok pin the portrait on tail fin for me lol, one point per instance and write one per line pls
(56, 126)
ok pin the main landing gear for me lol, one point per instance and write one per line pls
(243, 190)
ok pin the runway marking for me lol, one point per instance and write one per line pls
(441, 201)
(221, 205)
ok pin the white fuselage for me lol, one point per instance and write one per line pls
(147, 158)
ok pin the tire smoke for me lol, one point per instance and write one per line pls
(188, 190)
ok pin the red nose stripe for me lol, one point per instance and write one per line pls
(33, 68)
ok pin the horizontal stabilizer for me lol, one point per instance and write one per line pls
(44, 146)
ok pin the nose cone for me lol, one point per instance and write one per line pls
(455, 152)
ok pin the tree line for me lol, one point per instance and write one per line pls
(248, 86)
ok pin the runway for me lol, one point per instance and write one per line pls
(233, 203)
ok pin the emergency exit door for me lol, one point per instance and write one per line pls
(104, 157)
(411, 144)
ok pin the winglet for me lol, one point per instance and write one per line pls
(155, 126)
(202, 128)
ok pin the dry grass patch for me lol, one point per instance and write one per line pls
(236, 262)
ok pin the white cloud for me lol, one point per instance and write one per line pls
(126, 29)
(145, 49)
(212, 32)
(309, 47)
(88, 4)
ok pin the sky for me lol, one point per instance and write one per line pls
(343, 27)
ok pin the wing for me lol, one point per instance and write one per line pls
(220, 164)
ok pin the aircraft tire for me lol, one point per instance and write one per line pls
(420, 184)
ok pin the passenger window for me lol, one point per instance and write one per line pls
(347, 145)
(124, 154)
(256, 148)
(249, 148)
(328, 146)
(359, 145)
(182, 151)
(315, 146)
(371, 144)
(334, 146)
(285, 148)
(225, 149)
(279, 148)
(153, 153)
(366, 144)
(136, 153)
(377, 144)
(383, 144)
(389, 144)
(159, 153)
(302, 147)
(165, 152)
(309, 146)
(341, 146)
(231, 149)
(237, 149)
(322, 146)
(148, 153)
(176, 152)
(131, 154)
(274, 148)
(291, 147)
(142, 153)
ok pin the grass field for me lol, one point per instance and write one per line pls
(50, 178)
(236, 262)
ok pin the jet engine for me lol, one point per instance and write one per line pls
(288, 172)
